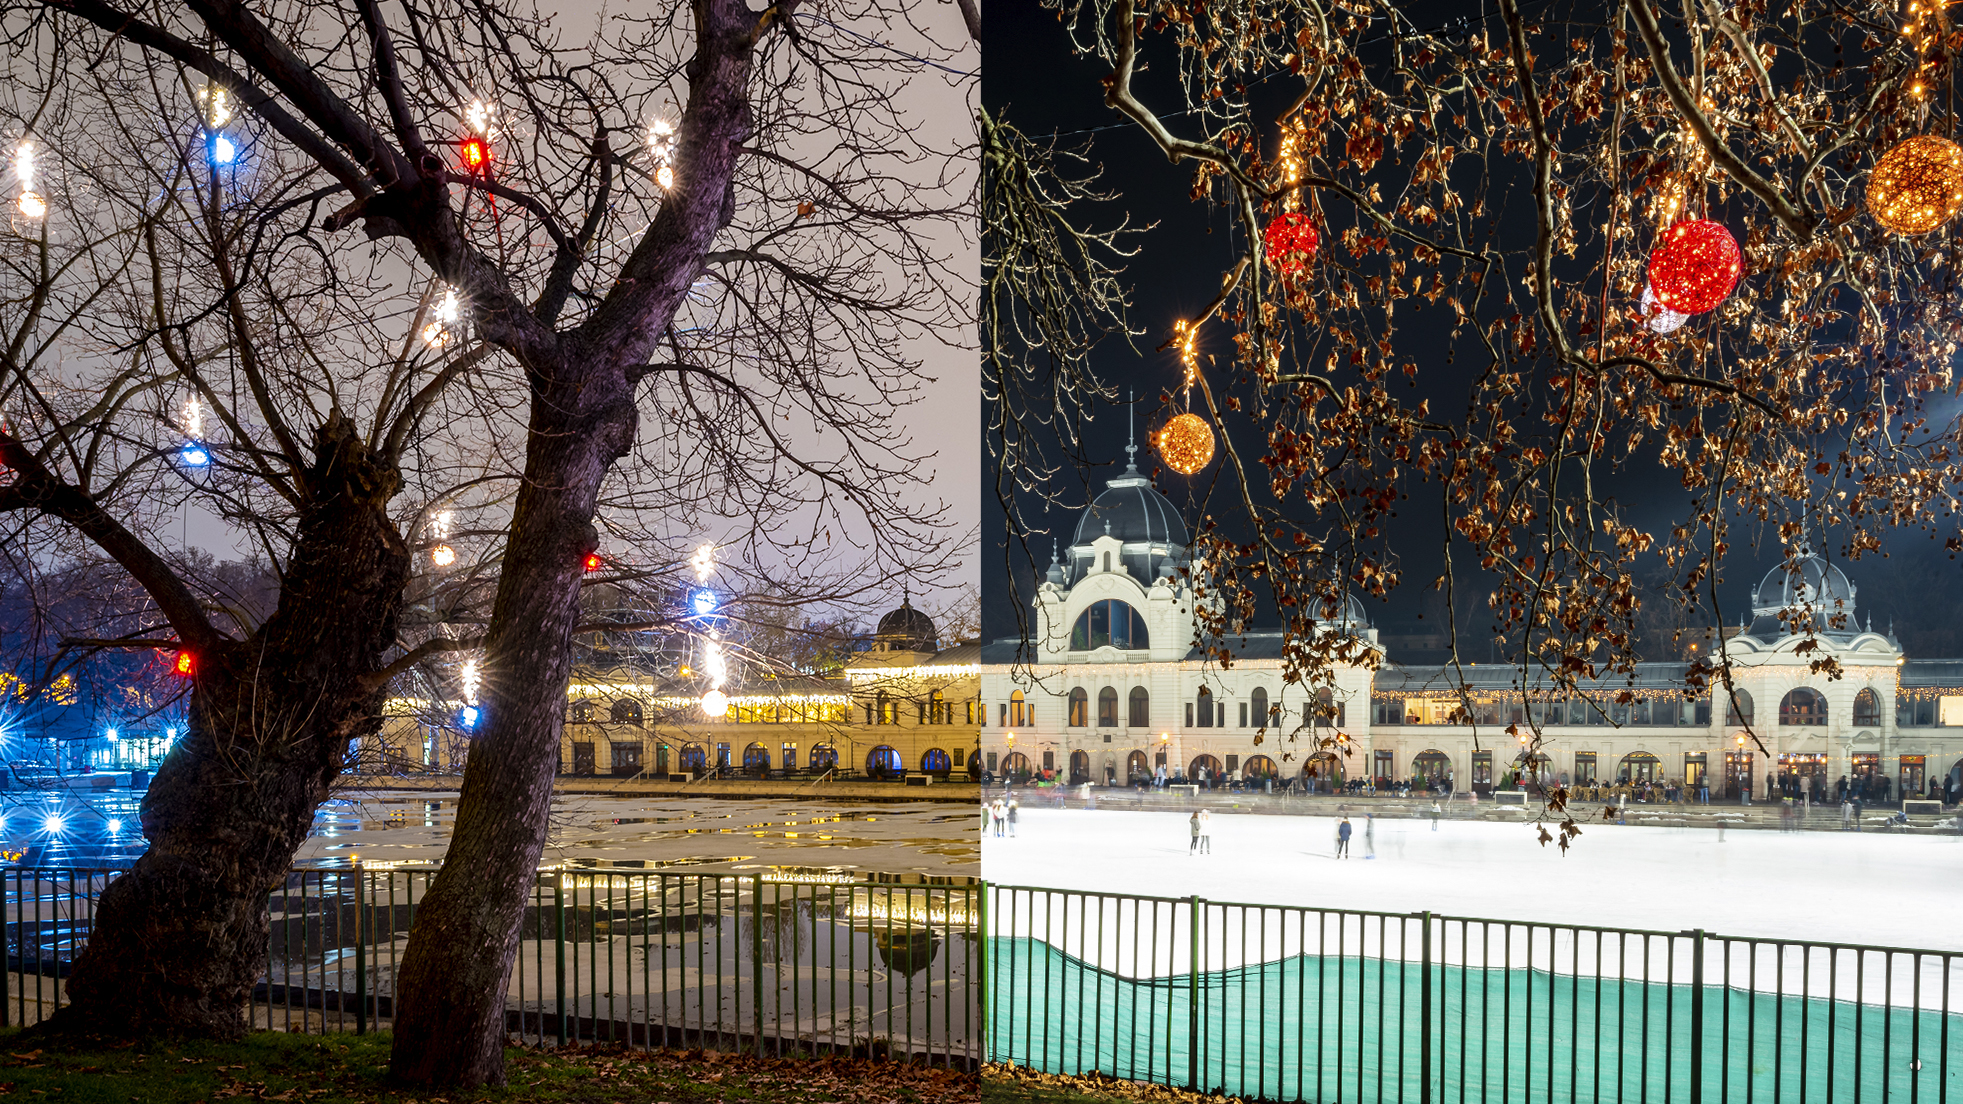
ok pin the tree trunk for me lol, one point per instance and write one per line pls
(179, 939)
(450, 988)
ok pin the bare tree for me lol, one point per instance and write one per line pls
(1566, 371)
(718, 221)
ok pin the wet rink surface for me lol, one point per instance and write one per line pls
(100, 828)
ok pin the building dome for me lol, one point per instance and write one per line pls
(908, 630)
(1134, 511)
(1813, 584)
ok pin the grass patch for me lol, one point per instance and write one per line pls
(353, 1069)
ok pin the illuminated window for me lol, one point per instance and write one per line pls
(1109, 623)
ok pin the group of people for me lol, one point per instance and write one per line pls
(999, 816)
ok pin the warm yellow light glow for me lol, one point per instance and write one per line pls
(715, 703)
(32, 205)
(1186, 443)
(443, 555)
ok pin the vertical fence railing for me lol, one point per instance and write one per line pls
(746, 962)
(1289, 1003)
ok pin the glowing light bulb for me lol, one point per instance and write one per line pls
(704, 562)
(468, 716)
(115, 826)
(478, 117)
(112, 735)
(714, 665)
(193, 418)
(194, 455)
(223, 150)
(53, 823)
(472, 678)
(661, 144)
(703, 602)
(444, 318)
(715, 703)
(217, 104)
(593, 561)
(443, 555)
(32, 206)
(24, 165)
(185, 665)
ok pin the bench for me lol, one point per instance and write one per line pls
(1516, 798)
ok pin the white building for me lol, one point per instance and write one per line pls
(1111, 687)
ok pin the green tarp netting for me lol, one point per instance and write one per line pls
(1317, 1028)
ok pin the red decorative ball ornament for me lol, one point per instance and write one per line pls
(1695, 266)
(1290, 242)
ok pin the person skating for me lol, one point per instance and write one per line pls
(1000, 812)
(1369, 835)
(1206, 832)
(1013, 807)
(1343, 838)
(1194, 822)
(1435, 810)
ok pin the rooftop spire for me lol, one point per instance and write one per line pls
(1131, 433)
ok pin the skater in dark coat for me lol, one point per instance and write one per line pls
(1343, 838)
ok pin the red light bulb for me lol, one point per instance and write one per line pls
(185, 665)
(476, 154)
(593, 561)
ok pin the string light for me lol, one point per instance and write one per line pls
(472, 679)
(442, 555)
(477, 144)
(30, 204)
(215, 109)
(662, 139)
(1695, 268)
(194, 454)
(714, 703)
(1917, 186)
(443, 319)
(704, 562)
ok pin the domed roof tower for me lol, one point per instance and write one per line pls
(908, 630)
(1810, 583)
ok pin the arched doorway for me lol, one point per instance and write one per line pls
(1638, 766)
(883, 762)
(756, 760)
(824, 757)
(1323, 772)
(1432, 768)
(1015, 765)
(1137, 768)
(1257, 770)
(694, 759)
(937, 763)
(1080, 768)
(1207, 763)
(1802, 774)
(975, 763)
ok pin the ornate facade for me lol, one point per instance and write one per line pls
(1111, 688)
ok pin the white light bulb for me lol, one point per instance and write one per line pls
(478, 116)
(661, 145)
(443, 522)
(223, 152)
(32, 206)
(112, 735)
(24, 165)
(665, 176)
(715, 703)
(472, 679)
(115, 826)
(217, 106)
(443, 555)
(704, 562)
(193, 418)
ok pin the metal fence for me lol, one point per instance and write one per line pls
(1301, 1004)
(761, 963)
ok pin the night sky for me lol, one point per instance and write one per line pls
(1032, 80)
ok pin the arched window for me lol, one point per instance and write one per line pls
(1330, 712)
(937, 709)
(824, 757)
(693, 758)
(756, 760)
(1867, 709)
(1080, 768)
(936, 761)
(1735, 713)
(1141, 708)
(627, 711)
(1109, 623)
(1257, 704)
(1803, 707)
(1204, 707)
(1137, 767)
(582, 712)
(1018, 711)
(1080, 704)
(1107, 708)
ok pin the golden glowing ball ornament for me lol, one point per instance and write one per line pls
(1694, 267)
(1186, 443)
(1917, 186)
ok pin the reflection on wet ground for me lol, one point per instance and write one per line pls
(100, 828)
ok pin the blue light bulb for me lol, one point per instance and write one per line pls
(468, 717)
(194, 455)
(223, 152)
(703, 602)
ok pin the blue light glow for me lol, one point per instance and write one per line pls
(194, 455)
(115, 826)
(223, 152)
(54, 823)
(112, 735)
(703, 602)
(467, 717)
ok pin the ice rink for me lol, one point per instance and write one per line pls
(1829, 886)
